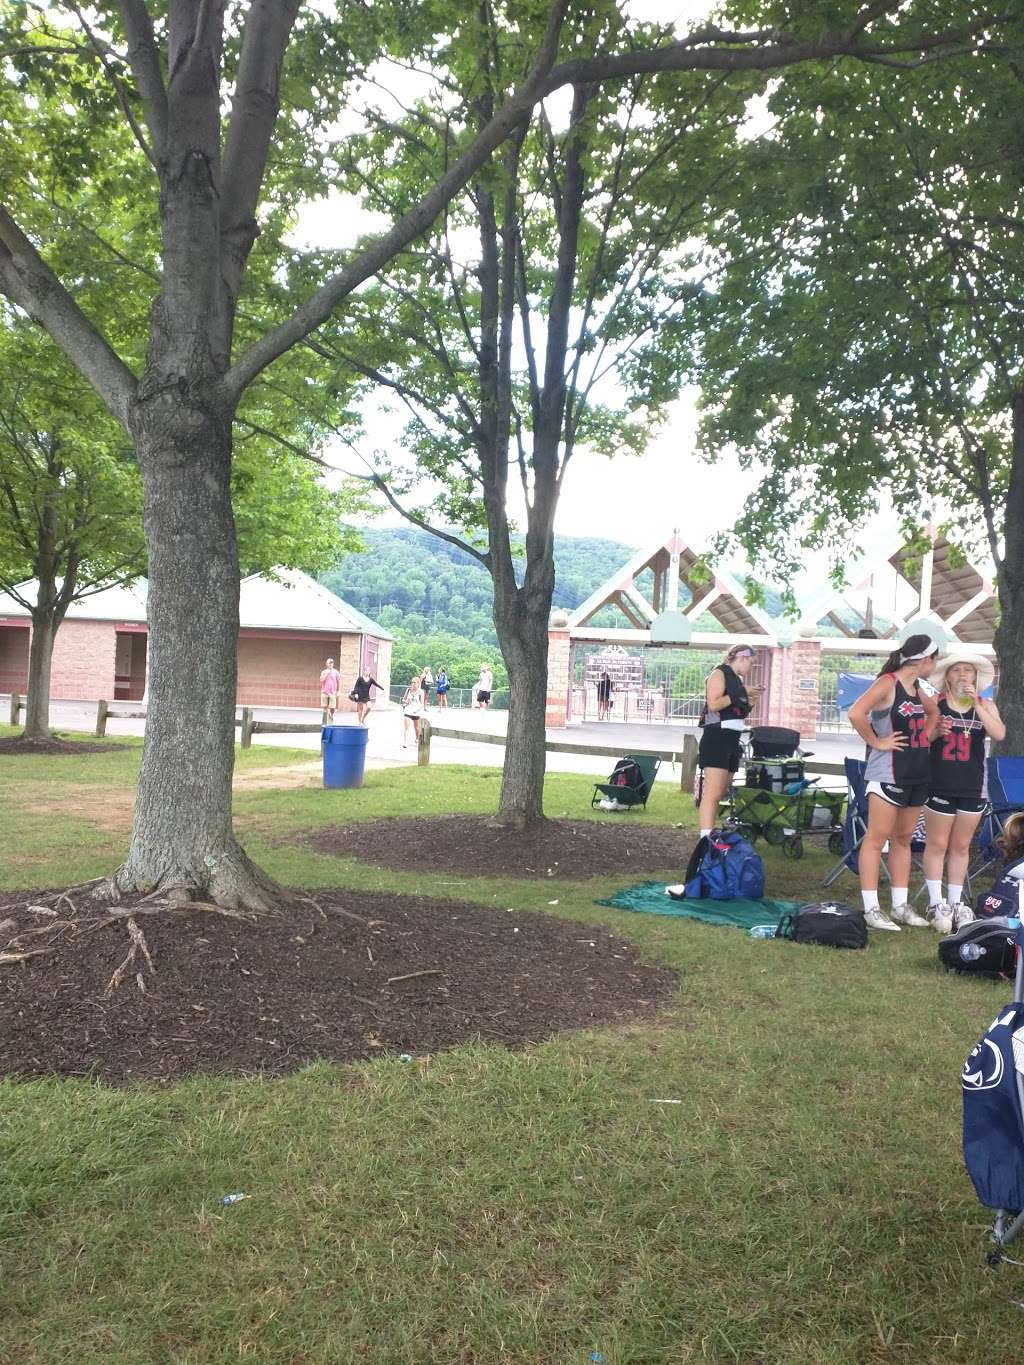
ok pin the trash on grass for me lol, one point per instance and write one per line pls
(235, 1198)
(405, 1056)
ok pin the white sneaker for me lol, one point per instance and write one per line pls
(962, 914)
(906, 914)
(877, 919)
(940, 917)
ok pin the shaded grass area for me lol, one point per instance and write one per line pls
(804, 1203)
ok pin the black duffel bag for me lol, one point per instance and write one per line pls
(982, 948)
(829, 923)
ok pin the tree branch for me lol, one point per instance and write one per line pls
(543, 80)
(254, 110)
(122, 95)
(29, 282)
(318, 308)
(144, 60)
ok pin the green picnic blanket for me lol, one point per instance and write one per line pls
(651, 898)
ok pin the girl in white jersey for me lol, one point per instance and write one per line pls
(897, 722)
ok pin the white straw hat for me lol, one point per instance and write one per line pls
(984, 670)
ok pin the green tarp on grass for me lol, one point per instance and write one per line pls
(651, 898)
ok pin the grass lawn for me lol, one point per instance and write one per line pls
(804, 1204)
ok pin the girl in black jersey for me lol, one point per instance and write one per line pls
(958, 788)
(728, 702)
(898, 722)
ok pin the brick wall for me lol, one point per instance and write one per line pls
(83, 661)
(557, 709)
(349, 663)
(794, 687)
(14, 642)
(285, 671)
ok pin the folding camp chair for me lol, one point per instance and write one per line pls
(1005, 798)
(855, 823)
(630, 796)
(849, 839)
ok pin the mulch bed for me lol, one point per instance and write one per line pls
(471, 846)
(42, 747)
(234, 997)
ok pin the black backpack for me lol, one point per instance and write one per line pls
(829, 923)
(982, 948)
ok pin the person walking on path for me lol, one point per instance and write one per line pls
(959, 787)
(330, 681)
(426, 683)
(442, 685)
(484, 687)
(412, 709)
(604, 696)
(360, 694)
(897, 720)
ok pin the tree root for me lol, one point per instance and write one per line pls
(94, 914)
(138, 946)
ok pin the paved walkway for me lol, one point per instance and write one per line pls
(385, 748)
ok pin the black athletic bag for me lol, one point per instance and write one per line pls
(829, 923)
(982, 948)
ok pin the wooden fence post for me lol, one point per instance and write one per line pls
(688, 764)
(101, 718)
(423, 747)
(15, 707)
(246, 727)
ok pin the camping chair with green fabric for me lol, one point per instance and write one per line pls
(629, 785)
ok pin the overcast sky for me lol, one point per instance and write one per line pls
(626, 499)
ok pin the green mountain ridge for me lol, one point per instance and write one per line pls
(436, 599)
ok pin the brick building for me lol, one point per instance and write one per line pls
(289, 625)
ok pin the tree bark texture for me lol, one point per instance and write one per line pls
(1009, 637)
(40, 659)
(182, 834)
(523, 636)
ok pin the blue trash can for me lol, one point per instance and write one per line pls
(344, 749)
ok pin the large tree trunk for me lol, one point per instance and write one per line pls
(182, 835)
(48, 612)
(1009, 638)
(40, 658)
(521, 621)
(525, 652)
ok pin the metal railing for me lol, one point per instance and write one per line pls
(459, 698)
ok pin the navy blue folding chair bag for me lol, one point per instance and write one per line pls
(993, 1093)
(993, 1117)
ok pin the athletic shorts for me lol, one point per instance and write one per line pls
(720, 748)
(953, 805)
(903, 797)
(483, 696)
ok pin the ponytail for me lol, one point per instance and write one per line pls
(914, 647)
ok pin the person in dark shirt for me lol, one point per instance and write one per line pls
(360, 694)
(959, 790)
(897, 720)
(604, 696)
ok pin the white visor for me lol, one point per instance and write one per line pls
(925, 653)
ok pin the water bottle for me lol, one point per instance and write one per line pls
(233, 1198)
(763, 931)
(970, 952)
